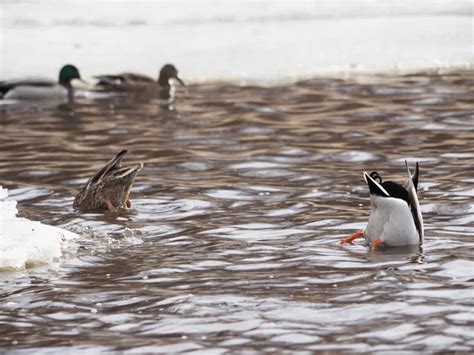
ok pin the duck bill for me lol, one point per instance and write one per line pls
(180, 81)
(80, 83)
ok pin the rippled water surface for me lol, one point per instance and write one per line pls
(232, 241)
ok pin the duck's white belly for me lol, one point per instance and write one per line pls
(392, 221)
(26, 92)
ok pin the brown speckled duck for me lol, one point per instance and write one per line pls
(132, 82)
(109, 188)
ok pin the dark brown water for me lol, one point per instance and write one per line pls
(232, 243)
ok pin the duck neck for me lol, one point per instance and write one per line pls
(70, 94)
(65, 84)
(164, 81)
(70, 90)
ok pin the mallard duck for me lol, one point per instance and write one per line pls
(395, 216)
(109, 188)
(42, 89)
(141, 83)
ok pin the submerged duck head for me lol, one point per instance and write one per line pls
(168, 72)
(68, 73)
(109, 189)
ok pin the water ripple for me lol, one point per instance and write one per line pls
(232, 243)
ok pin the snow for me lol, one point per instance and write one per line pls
(23, 242)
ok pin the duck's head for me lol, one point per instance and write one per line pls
(68, 73)
(168, 72)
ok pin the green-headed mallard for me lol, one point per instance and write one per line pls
(42, 89)
(109, 188)
(132, 82)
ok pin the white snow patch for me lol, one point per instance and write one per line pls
(24, 242)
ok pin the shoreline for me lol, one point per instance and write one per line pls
(359, 77)
(349, 75)
(258, 43)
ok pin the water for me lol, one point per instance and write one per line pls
(232, 242)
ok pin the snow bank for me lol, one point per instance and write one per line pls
(24, 242)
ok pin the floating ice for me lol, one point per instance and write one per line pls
(24, 242)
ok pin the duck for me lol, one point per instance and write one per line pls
(395, 215)
(132, 82)
(109, 188)
(42, 89)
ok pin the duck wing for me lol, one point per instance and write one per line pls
(112, 165)
(411, 185)
(6, 86)
(123, 80)
(138, 78)
(125, 173)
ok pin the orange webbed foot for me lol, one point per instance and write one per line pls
(377, 243)
(352, 237)
(110, 206)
